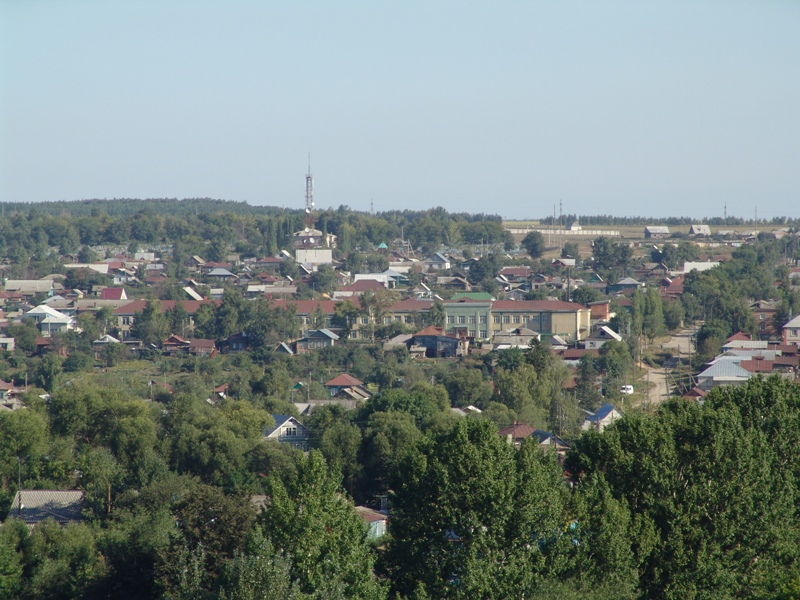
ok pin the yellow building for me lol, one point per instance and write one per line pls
(569, 320)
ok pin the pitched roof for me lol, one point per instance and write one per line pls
(602, 412)
(113, 294)
(793, 323)
(362, 285)
(37, 505)
(343, 380)
(516, 431)
(430, 330)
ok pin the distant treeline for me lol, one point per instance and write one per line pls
(34, 235)
(567, 220)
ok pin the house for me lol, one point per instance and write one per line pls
(602, 418)
(49, 320)
(315, 339)
(34, 506)
(563, 263)
(791, 332)
(453, 283)
(518, 274)
(207, 267)
(221, 274)
(342, 382)
(700, 230)
(600, 311)
(8, 344)
(358, 288)
(422, 291)
(656, 232)
(516, 434)
(112, 293)
(521, 337)
(600, 336)
(725, 371)
(764, 312)
(8, 396)
(30, 287)
(437, 344)
(288, 430)
(699, 266)
(549, 440)
(201, 347)
(436, 262)
(376, 521)
(624, 285)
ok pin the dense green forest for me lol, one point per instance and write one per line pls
(689, 502)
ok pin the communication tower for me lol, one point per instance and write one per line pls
(309, 198)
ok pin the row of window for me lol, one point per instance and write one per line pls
(496, 319)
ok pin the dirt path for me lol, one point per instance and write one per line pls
(660, 390)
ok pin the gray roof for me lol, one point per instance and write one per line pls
(793, 323)
(37, 505)
(602, 412)
(725, 369)
(628, 281)
(220, 272)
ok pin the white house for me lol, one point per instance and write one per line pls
(602, 418)
(49, 320)
(601, 336)
(289, 430)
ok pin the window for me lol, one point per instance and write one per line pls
(516, 318)
(397, 318)
(387, 320)
(471, 333)
(506, 319)
(407, 319)
(126, 320)
(761, 316)
(353, 334)
(451, 320)
(290, 431)
(483, 333)
(497, 319)
(461, 319)
(763, 326)
(472, 319)
(483, 319)
(365, 320)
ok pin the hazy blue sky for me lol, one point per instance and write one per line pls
(627, 108)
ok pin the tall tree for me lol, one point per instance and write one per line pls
(311, 520)
(534, 244)
(457, 535)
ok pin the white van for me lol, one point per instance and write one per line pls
(626, 389)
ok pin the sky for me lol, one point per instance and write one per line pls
(654, 109)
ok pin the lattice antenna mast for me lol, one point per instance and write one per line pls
(309, 198)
